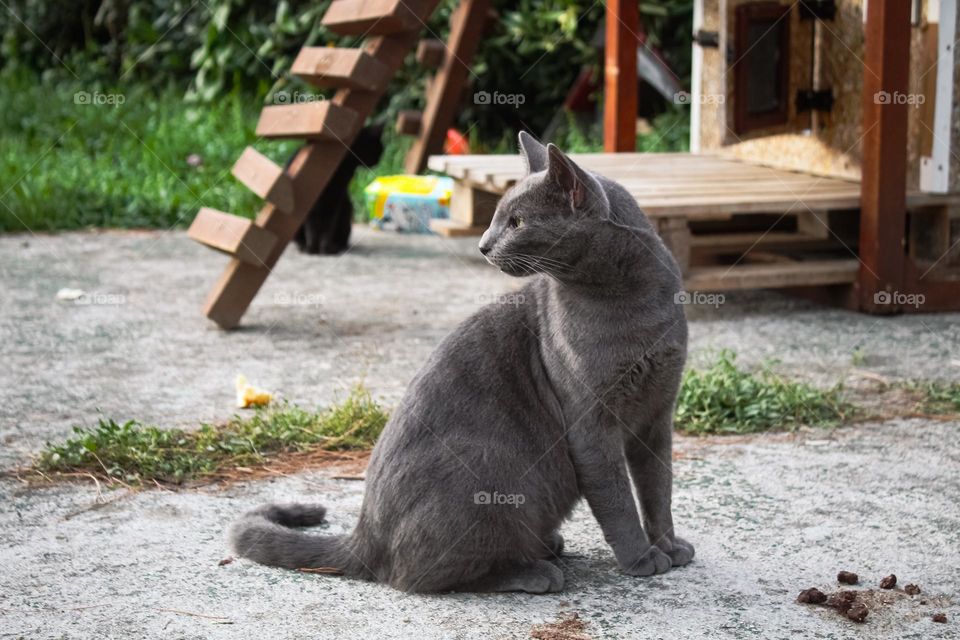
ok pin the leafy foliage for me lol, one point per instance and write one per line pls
(534, 48)
(725, 399)
(136, 453)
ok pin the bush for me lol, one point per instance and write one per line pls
(218, 46)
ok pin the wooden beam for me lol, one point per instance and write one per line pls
(620, 76)
(431, 53)
(454, 229)
(771, 276)
(409, 122)
(321, 120)
(472, 207)
(376, 17)
(935, 168)
(261, 175)
(883, 195)
(335, 67)
(232, 235)
(675, 233)
(446, 89)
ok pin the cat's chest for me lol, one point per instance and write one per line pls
(599, 361)
(598, 352)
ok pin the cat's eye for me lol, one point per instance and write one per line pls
(516, 221)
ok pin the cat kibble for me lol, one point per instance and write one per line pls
(847, 577)
(889, 582)
(940, 617)
(911, 590)
(858, 612)
(812, 596)
(842, 601)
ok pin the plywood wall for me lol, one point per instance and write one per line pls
(830, 144)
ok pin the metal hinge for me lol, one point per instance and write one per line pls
(810, 100)
(818, 9)
(707, 38)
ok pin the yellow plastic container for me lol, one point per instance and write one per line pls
(408, 203)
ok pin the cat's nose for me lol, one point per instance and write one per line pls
(485, 244)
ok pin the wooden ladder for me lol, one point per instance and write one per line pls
(329, 127)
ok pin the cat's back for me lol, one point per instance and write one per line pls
(489, 365)
(490, 349)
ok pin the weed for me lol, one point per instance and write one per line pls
(724, 399)
(135, 453)
(937, 397)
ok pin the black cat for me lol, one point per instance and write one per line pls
(327, 227)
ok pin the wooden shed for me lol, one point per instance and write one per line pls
(824, 151)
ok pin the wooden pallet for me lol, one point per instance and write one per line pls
(361, 76)
(679, 191)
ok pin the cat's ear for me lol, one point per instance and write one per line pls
(583, 191)
(533, 153)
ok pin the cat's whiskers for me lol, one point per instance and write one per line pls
(545, 260)
(515, 264)
(542, 263)
(528, 266)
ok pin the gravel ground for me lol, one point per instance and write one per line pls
(769, 515)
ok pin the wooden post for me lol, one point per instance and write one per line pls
(446, 90)
(883, 205)
(620, 76)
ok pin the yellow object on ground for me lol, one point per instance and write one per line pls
(250, 396)
(408, 203)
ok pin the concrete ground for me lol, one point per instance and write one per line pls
(769, 515)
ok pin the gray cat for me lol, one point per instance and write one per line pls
(524, 409)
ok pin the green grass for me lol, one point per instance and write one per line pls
(727, 400)
(938, 397)
(134, 453)
(124, 164)
(65, 165)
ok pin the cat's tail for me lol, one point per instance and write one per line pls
(264, 536)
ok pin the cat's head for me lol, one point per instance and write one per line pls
(544, 224)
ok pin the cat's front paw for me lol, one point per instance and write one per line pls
(651, 562)
(680, 551)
